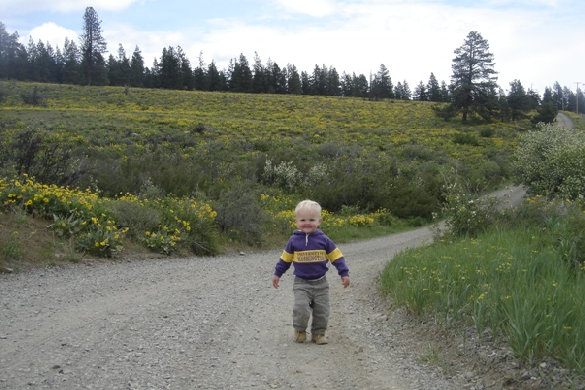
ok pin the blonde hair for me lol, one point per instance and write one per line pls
(308, 205)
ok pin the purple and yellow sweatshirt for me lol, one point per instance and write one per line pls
(310, 253)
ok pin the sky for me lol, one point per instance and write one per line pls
(538, 42)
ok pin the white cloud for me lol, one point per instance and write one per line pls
(20, 7)
(315, 8)
(150, 43)
(52, 33)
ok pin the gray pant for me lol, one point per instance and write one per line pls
(311, 297)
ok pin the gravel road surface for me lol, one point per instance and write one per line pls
(209, 323)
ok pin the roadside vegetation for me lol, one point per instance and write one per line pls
(126, 168)
(518, 274)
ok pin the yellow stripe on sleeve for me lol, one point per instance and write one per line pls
(287, 257)
(334, 255)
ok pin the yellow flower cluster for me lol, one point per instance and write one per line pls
(85, 214)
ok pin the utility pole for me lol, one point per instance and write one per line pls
(577, 96)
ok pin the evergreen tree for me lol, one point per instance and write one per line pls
(580, 102)
(433, 89)
(201, 82)
(293, 81)
(332, 82)
(402, 91)
(560, 100)
(259, 78)
(119, 68)
(445, 94)
(420, 92)
(319, 81)
(360, 86)
(381, 87)
(240, 76)
(547, 96)
(41, 62)
(504, 107)
(218, 81)
(113, 71)
(546, 113)
(71, 63)
(137, 68)
(533, 99)
(346, 84)
(277, 78)
(473, 79)
(187, 79)
(13, 55)
(170, 75)
(306, 84)
(124, 66)
(93, 45)
(517, 100)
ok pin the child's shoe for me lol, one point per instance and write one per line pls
(319, 339)
(300, 337)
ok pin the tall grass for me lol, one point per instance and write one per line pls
(511, 280)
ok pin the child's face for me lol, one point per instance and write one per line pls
(307, 220)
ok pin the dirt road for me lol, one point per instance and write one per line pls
(211, 323)
(563, 120)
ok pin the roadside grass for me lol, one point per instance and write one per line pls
(43, 224)
(578, 120)
(513, 280)
(26, 242)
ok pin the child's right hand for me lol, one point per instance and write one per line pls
(275, 280)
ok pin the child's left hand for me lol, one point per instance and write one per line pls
(345, 281)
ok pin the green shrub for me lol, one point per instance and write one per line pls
(465, 213)
(551, 161)
(240, 214)
(136, 217)
(34, 98)
(465, 138)
(11, 248)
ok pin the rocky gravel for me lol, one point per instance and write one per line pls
(216, 323)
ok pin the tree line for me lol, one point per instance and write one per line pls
(472, 92)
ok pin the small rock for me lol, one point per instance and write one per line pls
(525, 375)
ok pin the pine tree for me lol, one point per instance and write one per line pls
(517, 100)
(93, 45)
(137, 68)
(71, 63)
(170, 75)
(293, 81)
(381, 87)
(473, 80)
(420, 92)
(200, 75)
(433, 89)
(13, 55)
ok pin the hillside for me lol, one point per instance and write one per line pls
(248, 157)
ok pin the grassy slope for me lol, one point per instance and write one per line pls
(115, 119)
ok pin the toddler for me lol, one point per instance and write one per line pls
(309, 249)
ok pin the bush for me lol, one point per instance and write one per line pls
(240, 214)
(466, 139)
(466, 214)
(139, 218)
(34, 98)
(551, 161)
